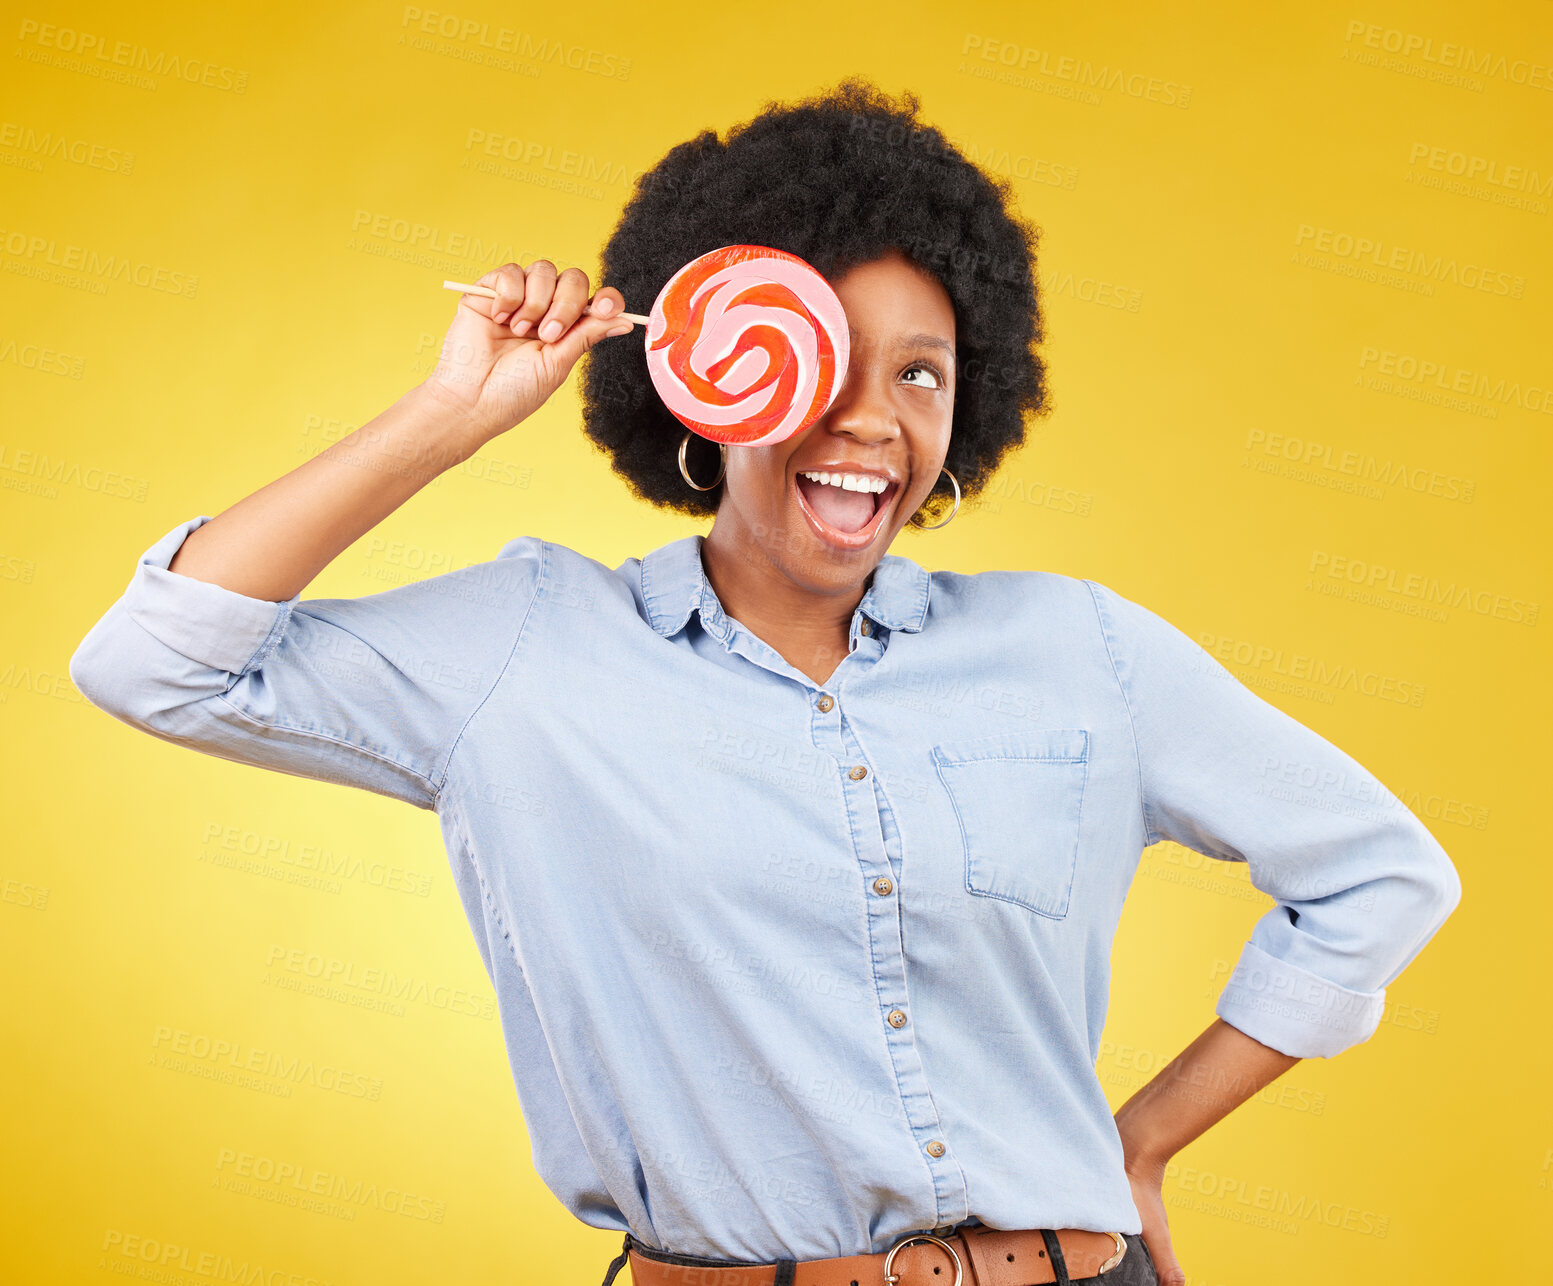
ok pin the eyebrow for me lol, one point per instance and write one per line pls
(923, 340)
(920, 340)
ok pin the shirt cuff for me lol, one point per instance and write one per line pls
(1293, 1010)
(207, 623)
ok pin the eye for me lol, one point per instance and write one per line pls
(927, 368)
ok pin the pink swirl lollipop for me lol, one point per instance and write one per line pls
(747, 345)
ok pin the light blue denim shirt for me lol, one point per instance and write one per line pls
(788, 970)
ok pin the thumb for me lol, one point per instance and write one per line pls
(585, 332)
(1167, 1268)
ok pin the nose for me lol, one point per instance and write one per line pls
(861, 409)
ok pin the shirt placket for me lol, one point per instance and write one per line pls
(876, 844)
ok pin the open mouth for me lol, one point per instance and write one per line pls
(846, 519)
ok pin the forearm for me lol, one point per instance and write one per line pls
(1211, 1077)
(273, 543)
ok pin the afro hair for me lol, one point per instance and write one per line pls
(839, 179)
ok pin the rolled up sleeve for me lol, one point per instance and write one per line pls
(1360, 884)
(369, 692)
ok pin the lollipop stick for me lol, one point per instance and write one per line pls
(491, 294)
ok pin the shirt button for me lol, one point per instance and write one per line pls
(825, 703)
(897, 1018)
(858, 773)
(866, 627)
(935, 1149)
(883, 885)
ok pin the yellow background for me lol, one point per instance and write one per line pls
(1207, 317)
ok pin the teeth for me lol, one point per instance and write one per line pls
(848, 481)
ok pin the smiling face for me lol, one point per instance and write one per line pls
(889, 424)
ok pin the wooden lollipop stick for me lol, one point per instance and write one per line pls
(467, 289)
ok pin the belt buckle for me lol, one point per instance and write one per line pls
(892, 1278)
(1121, 1251)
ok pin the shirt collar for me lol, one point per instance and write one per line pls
(674, 584)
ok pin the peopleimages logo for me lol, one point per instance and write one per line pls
(36, 145)
(309, 1181)
(1339, 675)
(1310, 456)
(1448, 55)
(1022, 64)
(1481, 169)
(33, 254)
(384, 983)
(159, 1259)
(475, 40)
(231, 1059)
(1450, 378)
(97, 54)
(1428, 591)
(1376, 254)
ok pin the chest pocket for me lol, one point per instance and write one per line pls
(1019, 798)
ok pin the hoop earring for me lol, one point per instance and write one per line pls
(935, 526)
(722, 468)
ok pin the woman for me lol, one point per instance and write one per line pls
(796, 867)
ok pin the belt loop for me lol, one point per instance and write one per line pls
(979, 1276)
(618, 1262)
(785, 1268)
(1054, 1249)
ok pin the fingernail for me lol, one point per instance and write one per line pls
(520, 328)
(549, 330)
(624, 328)
(502, 316)
(604, 307)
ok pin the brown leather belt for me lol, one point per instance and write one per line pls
(975, 1255)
